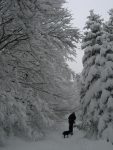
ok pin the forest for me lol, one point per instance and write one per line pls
(37, 86)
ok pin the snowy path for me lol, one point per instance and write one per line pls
(55, 141)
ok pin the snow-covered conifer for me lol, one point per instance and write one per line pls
(105, 125)
(90, 90)
(97, 76)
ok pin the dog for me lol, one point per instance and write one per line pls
(66, 133)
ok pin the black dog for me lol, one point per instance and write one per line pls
(66, 133)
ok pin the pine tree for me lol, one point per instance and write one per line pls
(105, 125)
(90, 91)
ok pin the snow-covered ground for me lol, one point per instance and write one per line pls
(55, 141)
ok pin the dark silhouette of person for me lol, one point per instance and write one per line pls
(71, 120)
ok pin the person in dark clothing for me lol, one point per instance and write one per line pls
(71, 120)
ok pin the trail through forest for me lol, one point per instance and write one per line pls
(55, 141)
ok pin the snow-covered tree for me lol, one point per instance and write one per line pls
(97, 84)
(90, 90)
(36, 39)
(105, 125)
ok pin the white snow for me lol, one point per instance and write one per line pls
(55, 141)
(108, 133)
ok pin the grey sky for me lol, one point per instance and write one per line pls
(80, 10)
